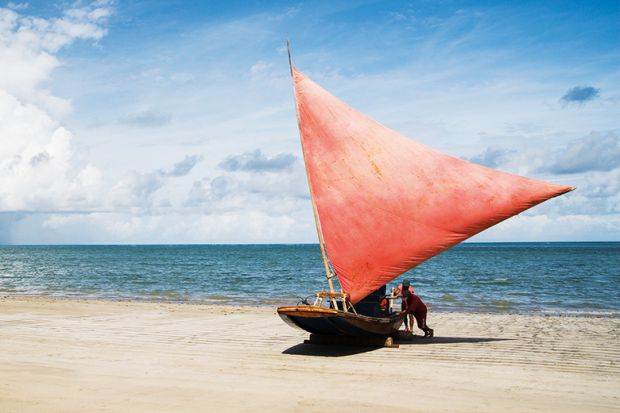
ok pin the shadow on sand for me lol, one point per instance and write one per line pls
(326, 350)
(341, 350)
(414, 340)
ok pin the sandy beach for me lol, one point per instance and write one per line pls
(83, 356)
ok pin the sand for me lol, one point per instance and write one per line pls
(94, 356)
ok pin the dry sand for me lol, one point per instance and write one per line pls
(83, 356)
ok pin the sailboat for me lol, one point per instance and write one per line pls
(383, 204)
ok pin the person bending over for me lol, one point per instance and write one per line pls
(415, 308)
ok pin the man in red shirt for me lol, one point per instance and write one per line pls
(414, 307)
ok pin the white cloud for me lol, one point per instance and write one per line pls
(492, 157)
(595, 152)
(590, 163)
(270, 191)
(28, 45)
(37, 167)
(604, 184)
(182, 167)
(569, 227)
(136, 190)
(257, 161)
(190, 226)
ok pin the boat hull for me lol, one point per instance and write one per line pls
(328, 321)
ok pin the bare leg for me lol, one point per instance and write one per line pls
(428, 332)
(408, 318)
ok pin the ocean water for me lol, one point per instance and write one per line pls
(566, 278)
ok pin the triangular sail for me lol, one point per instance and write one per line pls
(386, 203)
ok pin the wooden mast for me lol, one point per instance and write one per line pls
(328, 272)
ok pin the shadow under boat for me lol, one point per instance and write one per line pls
(412, 339)
(311, 349)
(340, 348)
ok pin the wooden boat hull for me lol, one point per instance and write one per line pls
(328, 321)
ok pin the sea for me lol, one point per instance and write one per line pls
(568, 278)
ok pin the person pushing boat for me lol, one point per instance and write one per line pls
(414, 308)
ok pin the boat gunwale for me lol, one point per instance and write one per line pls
(316, 311)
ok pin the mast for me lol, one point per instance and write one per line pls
(328, 273)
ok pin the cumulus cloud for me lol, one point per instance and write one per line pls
(249, 191)
(591, 163)
(37, 166)
(605, 185)
(257, 161)
(36, 161)
(28, 45)
(580, 94)
(595, 152)
(568, 227)
(189, 226)
(182, 167)
(492, 157)
(137, 189)
(270, 191)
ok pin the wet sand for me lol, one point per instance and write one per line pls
(85, 356)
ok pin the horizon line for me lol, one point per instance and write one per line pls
(277, 243)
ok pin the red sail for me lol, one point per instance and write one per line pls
(386, 203)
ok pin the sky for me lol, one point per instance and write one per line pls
(131, 122)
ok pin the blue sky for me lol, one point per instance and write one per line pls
(173, 122)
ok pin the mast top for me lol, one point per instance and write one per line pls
(290, 60)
